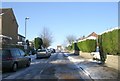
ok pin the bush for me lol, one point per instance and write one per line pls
(69, 48)
(109, 42)
(87, 46)
(38, 42)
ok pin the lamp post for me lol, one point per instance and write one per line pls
(25, 46)
(26, 25)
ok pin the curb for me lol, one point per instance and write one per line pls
(80, 68)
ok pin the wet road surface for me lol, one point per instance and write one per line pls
(56, 67)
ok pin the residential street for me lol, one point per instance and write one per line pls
(56, 67)
(61, 66)
(66, 40)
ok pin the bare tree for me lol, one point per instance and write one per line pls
(46, 36)
(70, 39)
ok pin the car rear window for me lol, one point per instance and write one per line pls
(41, 50)
(5, 53)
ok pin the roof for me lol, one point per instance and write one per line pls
(21, 35)
(93, 34)
(81, 38)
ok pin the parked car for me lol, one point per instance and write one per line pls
(13, 58)
(32, 52)
(43, 53)
(48, 50)
(52, 50)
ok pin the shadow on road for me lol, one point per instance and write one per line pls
(73, 54)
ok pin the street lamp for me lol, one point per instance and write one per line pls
(26, 25)
(25, 46)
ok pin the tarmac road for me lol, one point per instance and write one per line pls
(57, 67)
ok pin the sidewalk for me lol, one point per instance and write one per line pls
(33, 57)
(93, 68)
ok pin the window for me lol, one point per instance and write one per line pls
(15, 52)
(5, 53)
(21, 52)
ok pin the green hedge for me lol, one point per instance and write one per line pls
(87, 46)
(109, 42)
(70, 47)
(119, 42)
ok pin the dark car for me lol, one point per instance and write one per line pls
(32, 52)
(42, 53)
(13, 58)
(53, 51)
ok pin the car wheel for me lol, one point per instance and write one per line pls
(14, 67)
(28, 63)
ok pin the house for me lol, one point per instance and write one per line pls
(8, 26)
(21, 39)
(59, 48)
(93, 36)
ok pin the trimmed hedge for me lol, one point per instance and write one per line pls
(119, 42)
(75, 47)
(109, 42)
(87, 46)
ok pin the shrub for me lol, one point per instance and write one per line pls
(110, 42)
(87, 46)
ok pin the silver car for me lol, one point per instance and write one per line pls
(42, 53)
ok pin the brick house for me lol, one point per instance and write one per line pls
(8, 26)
